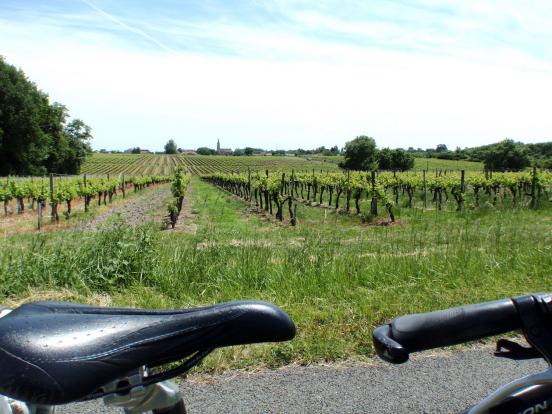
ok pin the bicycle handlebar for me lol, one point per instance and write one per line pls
(421, 331)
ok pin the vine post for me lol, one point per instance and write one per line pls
(348, 194)
(39, 215)
(53, 214)
(249, 183)
(534, 188)
(425, 188)
(374, 204)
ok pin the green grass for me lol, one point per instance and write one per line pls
(435, 163)
(337, 281)
(419, 163)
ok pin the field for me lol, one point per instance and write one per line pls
(149, 164)
(419, 163)
(337, 274)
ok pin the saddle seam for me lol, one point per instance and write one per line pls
(33, 364)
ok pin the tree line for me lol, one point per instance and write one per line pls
(503, 155)
(36, 136)
(361, 154)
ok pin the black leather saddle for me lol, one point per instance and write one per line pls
(54, 352)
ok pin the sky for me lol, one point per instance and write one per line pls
(281, 74)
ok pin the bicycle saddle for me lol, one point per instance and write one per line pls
(54, 352)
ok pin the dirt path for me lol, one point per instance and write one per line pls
(146, 207)
(186, 218)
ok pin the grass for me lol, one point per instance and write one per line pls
(419, 163)
(337, 281)
(438, 164)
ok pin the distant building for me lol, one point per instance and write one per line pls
(136, 149)
(223, 151)
(188, 151)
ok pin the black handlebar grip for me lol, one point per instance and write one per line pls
(421, 331)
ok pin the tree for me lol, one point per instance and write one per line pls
(205, 151)
(360, 154)
(441, 148)
(248, 151)
(171, 147)
(238, 152)
(24, 146)
(385, 159)
(135, 150)
(78, 135)
(401, 160)
(506, 155)
(397, 159)
(34, 135)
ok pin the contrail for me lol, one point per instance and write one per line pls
(127, 27)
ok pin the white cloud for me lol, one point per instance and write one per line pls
(285, 89)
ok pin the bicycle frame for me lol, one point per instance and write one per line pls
(528, 395)
(138, 400)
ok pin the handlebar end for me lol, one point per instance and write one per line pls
(388, 349)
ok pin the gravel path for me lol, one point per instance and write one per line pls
(439, 383)
(135, 211)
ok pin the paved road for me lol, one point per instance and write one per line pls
(438, 383)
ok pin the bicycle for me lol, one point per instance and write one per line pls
(532, 314)
(55, 353)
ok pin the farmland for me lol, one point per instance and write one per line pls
(384, 189)
(419, 163)
(150, 164)
(25, 200)
(160, 164)
(337, 272)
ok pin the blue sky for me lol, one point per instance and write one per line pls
(288, 74)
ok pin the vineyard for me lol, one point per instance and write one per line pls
(272, 192)
(59, 191)
(333, 274)
(159, 164)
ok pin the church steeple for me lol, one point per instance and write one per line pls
(218, 145)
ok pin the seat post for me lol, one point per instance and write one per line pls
(142, 398)
(10, 406)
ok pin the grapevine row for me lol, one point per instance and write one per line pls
(330, 189)
(179, 186)
(59, 191)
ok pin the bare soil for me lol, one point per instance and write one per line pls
(144, 208)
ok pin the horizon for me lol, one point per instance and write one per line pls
(297, 75)
(341, 148)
